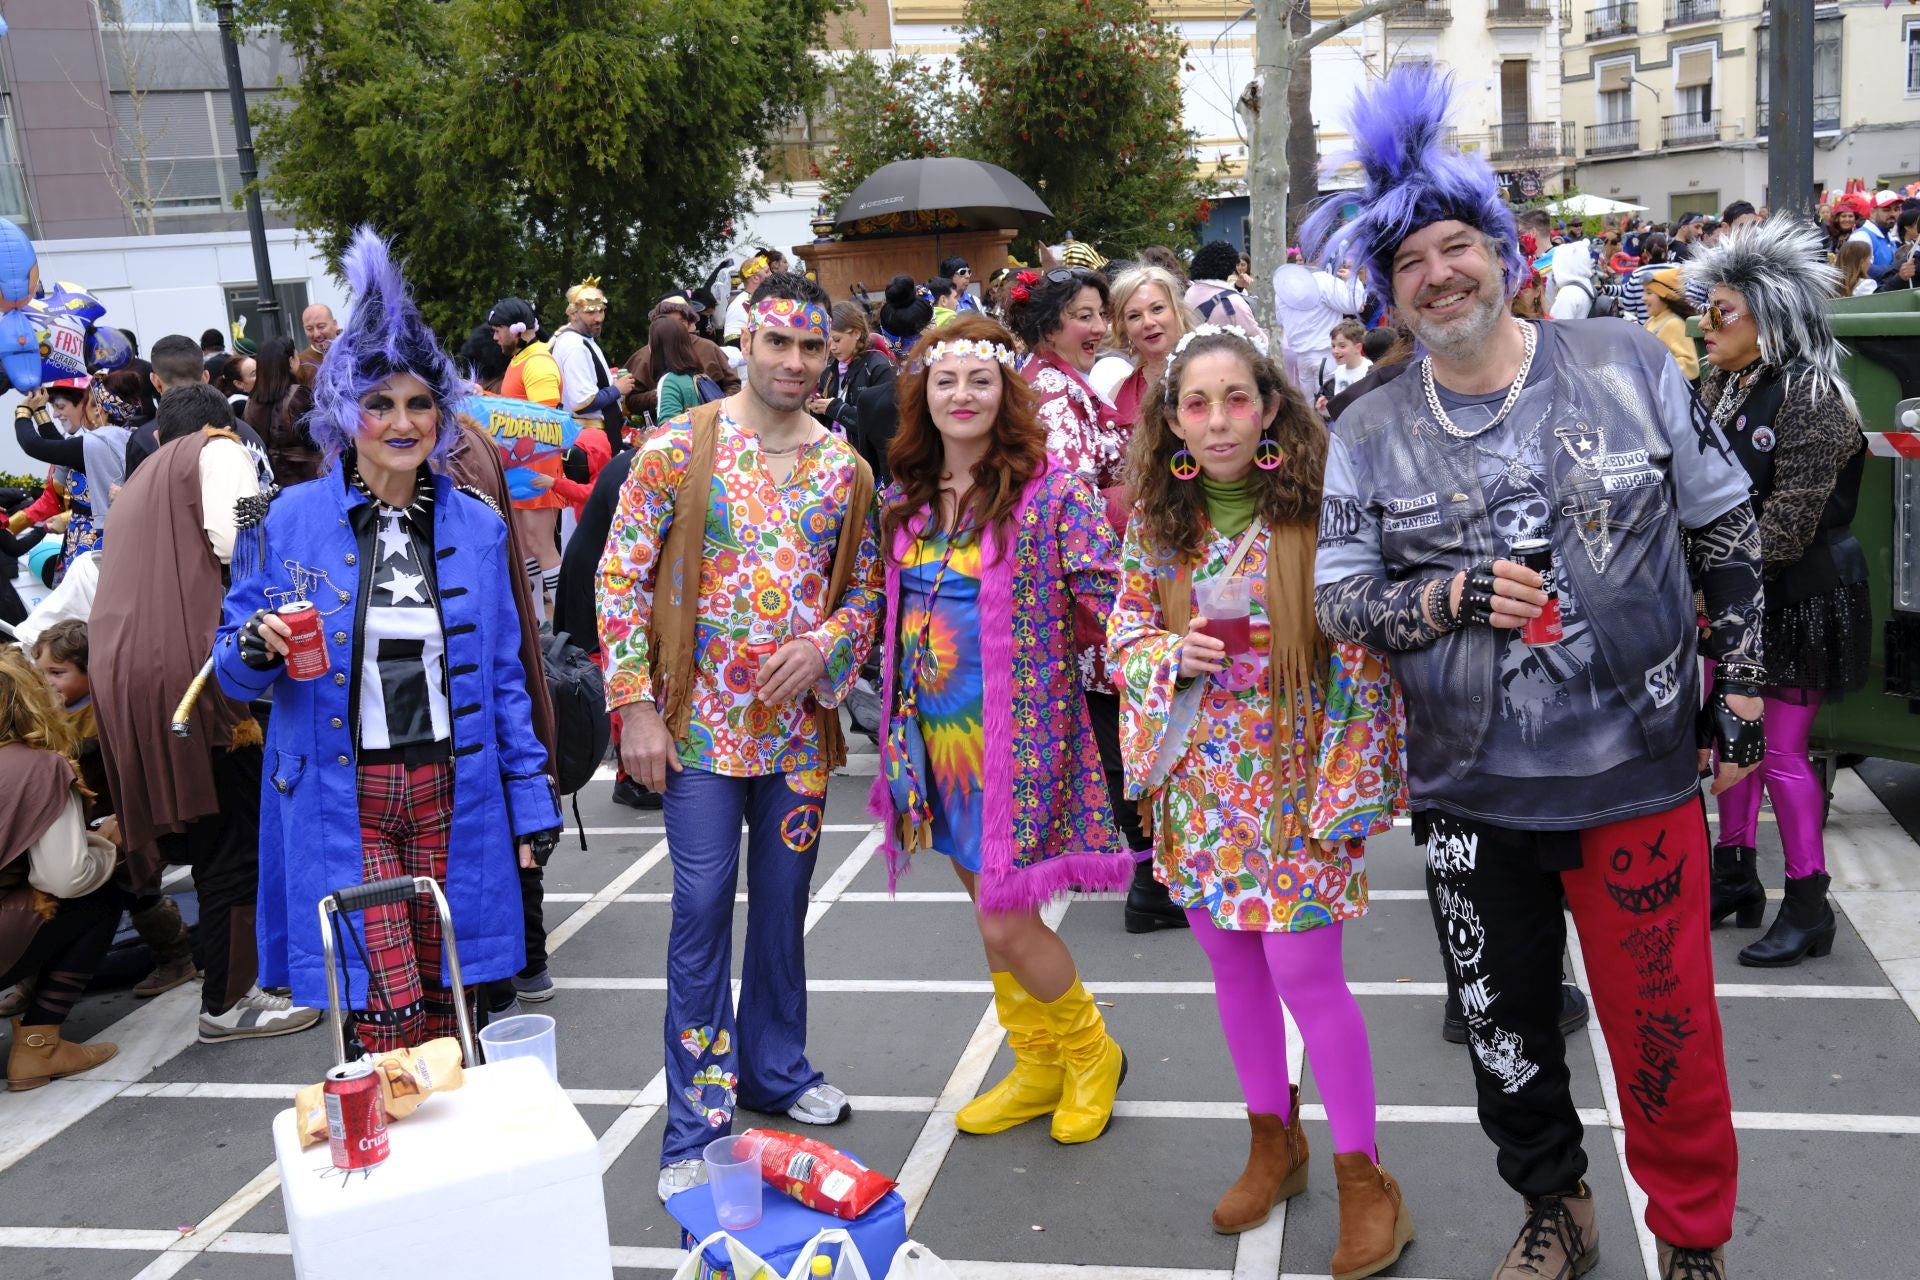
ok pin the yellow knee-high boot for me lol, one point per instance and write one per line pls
(1032, 1088)
(1092, 1062)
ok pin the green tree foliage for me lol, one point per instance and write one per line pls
(515, 146)
(1080, 98)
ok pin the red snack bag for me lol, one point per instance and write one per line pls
(817, 1175)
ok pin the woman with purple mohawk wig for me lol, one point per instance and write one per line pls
(414, 754)
(1775, 388)
(1523, 520)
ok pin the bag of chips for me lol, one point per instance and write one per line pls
(406, 1077)
(820, 1177)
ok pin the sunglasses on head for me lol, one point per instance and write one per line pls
(1718, 317)
(1067, 275)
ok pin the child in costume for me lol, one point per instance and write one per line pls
(989, 545)
(1263, 768)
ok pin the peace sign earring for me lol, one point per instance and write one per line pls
(1267, 455)
(1183, 465)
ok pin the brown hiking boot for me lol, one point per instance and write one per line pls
(1276, 1170)
(1375, 1226)
(39, 1055)
(161, 928)
(1560, 1240)
(1677, 1263)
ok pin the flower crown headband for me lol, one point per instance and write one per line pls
(1186, 340)
(959, 348)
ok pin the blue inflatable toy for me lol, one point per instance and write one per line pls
(19, 281)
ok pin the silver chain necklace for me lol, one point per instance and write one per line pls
(1734, 394)
(1530, 338)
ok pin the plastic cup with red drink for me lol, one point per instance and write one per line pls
(1225, 607)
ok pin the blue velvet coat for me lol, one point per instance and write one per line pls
(309, 812)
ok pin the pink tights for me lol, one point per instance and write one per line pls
(1788, 779)
(1253, 973)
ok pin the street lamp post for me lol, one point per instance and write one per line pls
(267, 309)
(1790, 107)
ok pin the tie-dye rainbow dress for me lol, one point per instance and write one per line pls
(950, 684)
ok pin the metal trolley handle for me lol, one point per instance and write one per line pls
(383, 893)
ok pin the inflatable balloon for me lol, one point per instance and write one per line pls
(525, 432)
(62, 344)
(73, 300)
(107, 349)
(19, 279)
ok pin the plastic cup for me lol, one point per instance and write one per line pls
(525, 1035)
(733, 1176)
(1225, 603)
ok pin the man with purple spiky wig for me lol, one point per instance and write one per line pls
(1553, 755)
(415, 754)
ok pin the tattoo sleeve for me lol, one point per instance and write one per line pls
(1370, 610)
(1724, 556)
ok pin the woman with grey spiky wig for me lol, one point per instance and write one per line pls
(1776, 391)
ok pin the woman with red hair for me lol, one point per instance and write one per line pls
(989, 545)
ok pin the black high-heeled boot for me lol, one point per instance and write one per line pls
(1737, 891)
(1148, 906)
(1804, 927)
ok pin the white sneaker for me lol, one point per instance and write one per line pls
(822, 1104)
(683, 1175)
(255, 1016)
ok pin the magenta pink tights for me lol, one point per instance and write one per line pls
(1253, 974)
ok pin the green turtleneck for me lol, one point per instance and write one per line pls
(1229, 504)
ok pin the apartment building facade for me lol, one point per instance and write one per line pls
(1669, 99)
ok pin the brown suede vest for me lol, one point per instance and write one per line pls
(676, 593)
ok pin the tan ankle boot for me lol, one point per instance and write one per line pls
(1374, 1223)
(1691, 1264)
(39, 1055)
(1276, 1171)
(161, 928)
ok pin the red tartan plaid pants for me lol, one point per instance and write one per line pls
(406, 814)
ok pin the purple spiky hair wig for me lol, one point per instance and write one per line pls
(1414, 179)
(384, 335)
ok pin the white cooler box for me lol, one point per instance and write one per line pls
(498, 1179)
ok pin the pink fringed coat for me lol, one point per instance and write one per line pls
(1046, 819)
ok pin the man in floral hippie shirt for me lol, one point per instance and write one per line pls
(737, 599)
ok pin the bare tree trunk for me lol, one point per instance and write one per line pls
(1303, 148)
(1277, 54)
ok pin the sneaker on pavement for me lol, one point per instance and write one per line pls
(255, 1016)
(631, 794)
(1561, 1239)
(535, 989)
(501, 1014)
(683, 1175)
(822, 1104)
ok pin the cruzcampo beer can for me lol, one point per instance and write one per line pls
(356, 1119)
(1537, 554)
(307, 646)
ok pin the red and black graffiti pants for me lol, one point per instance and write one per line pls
(1639, 900)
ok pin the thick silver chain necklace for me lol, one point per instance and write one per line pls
(1734, 394)
(1530, 338)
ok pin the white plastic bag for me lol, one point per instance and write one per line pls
(851, 1266)
(914, 1261)
(742, 1262)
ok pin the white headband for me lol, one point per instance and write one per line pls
(978, 348)
(1201, 331)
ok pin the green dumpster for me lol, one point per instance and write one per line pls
(1881, 333)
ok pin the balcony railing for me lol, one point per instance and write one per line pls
(1691, 129)
(1613, 138)
(1613, 21)
(1682, 12)
(1826, 115)
(1518, 13)
(1531, 140)
(1422, 13)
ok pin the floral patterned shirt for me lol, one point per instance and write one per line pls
(769, 555)
(1204, 753)
(1084, 436)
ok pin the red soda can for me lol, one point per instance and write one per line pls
(307, 646)
(762, 642)
(356, 1119)
(1537, 554)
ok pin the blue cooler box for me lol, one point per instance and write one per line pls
(786, 1226)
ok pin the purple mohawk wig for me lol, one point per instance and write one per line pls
(1414, 179)
(384, 335)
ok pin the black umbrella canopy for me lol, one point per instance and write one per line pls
(979, 194)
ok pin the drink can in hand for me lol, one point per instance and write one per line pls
(1537, 554)
(307, 646)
